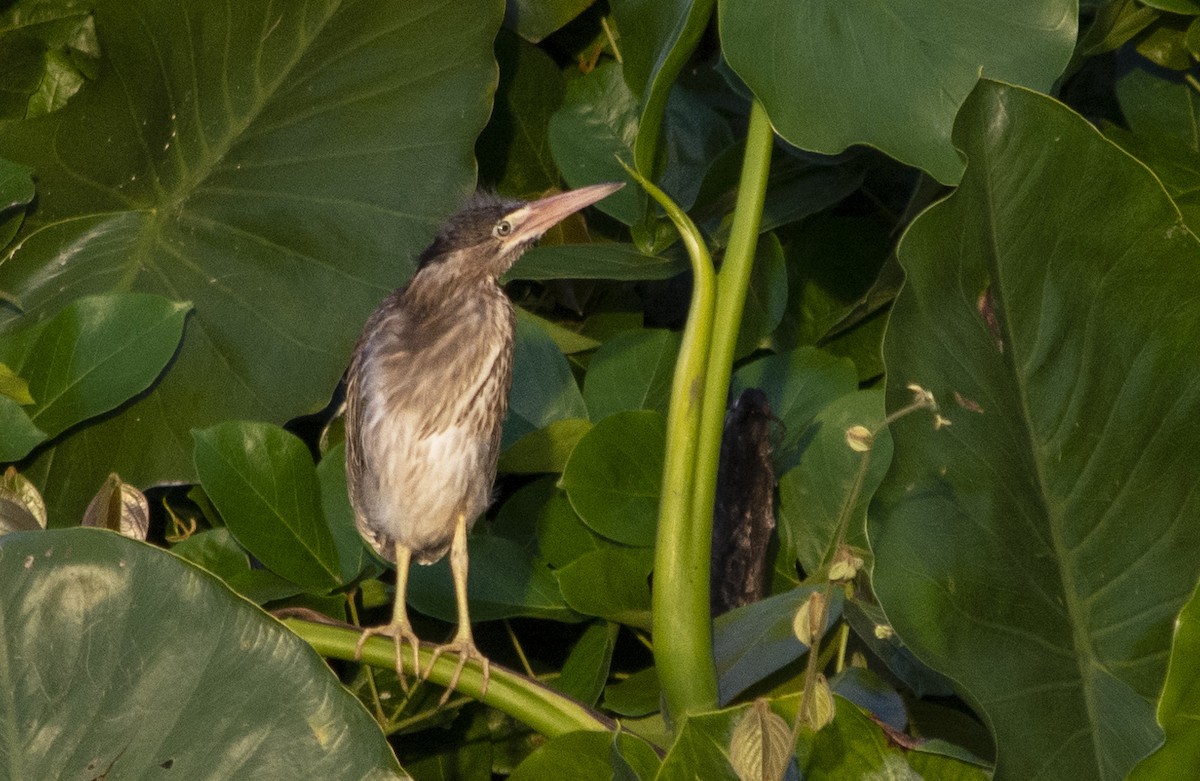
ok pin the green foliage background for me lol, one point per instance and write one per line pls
(201, 203)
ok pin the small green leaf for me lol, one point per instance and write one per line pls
(614, 476)
(766, 297)
(586, 668)
(543, 389)
(533, 20)
(218, 552)
(14, 387)
(263, 481)
(597, 124)
(544, 450)
(755, 640)
(568, 341)
(701, 748)
(562, 535)
(853, 746)
(611, 583)
(339, 516)
(812, 496)
(587, 756)
(18, 434)
(1178, 708)
(637, 695)
(93, 355)
(631, 371)
(505, 581)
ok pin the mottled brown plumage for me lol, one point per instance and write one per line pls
(426, 394)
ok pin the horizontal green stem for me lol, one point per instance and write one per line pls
(541, 708)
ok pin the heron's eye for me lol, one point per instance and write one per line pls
(502, 229)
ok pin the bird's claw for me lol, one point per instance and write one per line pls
(464, 648)
(400, 634)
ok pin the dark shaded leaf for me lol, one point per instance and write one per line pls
(543, 389)
(753, 641)
(593, 261)
(596, 125)
(544, 450)
(586, 668)
(813, 495)
(637, 695)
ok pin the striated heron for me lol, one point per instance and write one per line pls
(426, 394)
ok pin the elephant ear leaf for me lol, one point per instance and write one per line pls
(1051, 525)
(89, 657)
(255, 160)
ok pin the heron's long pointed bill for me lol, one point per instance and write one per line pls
(540, 216)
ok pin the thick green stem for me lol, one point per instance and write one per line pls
(732, 283)
(531, 703)
(682, 629)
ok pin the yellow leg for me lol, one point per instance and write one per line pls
(400, 630)
(463, 643)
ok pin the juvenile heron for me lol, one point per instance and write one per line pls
(426, 394)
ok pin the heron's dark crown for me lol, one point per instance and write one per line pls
(469, 226)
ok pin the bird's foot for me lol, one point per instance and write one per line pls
(464, 648)
(401, 632)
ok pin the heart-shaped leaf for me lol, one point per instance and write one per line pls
(279, 166)
(90, 661)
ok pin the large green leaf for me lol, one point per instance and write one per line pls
(890, 74)
(1038, 549)
(279, 166)
(95, 681)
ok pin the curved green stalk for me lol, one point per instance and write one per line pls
(732, 283)
(537, 706)
(682, 627)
